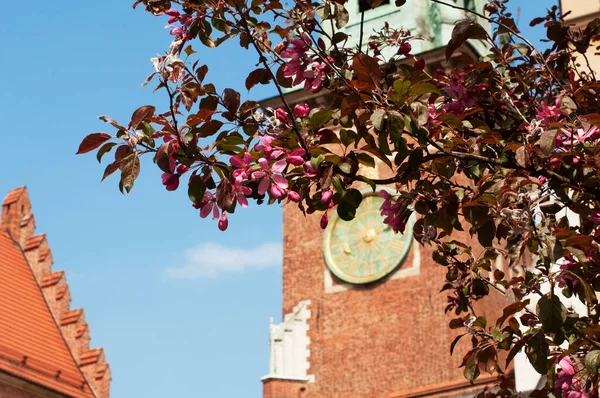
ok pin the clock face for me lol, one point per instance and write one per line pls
(365, 249)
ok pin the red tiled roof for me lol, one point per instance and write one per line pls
(32, 346)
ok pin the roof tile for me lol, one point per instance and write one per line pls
(52, 278)
(34, 242)
(90, 356)
(71, 316)
(13, 196)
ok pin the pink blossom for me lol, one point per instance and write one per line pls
(315, 77)
(185, 20)
(404, 49)
(595, 218)
(566, 380)
(268, 175)
(433, 113)
(179, 32)
(580, 136)
(170, 181)
(172, 13)
(208, 205)
(395, 213)
(175, 30)
(242, 167)
(301, 111)
(555, 163)
(223, 222)
(548, 113)
(240, 192)
(265, 142)
(282, 116)
(265, 145)
(568, 265)
(299, 60)
(310, 171)
(296, 157)
(457, 90)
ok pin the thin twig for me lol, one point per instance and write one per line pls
(172, 109)
(362, 23)
(263, 60)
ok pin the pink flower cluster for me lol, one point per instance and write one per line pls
(569, 265)
(171, 180)
(184, 19)
(548, 113)
(395, 213)
(269, 175)
(209, 205)
(567, 381)
(462, 95)
(302, 67)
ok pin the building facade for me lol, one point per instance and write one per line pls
(581, 13)
(44, 344)
(363, 315)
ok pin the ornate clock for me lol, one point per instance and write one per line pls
(365, 249)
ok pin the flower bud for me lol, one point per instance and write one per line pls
(223, 222)
(324, 221)
(326, 196)
(172, 13)
(294, 196)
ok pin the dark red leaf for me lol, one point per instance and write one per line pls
(366, 69)
(92, 142)
(231, 99)
(463, 30)
(111, 168)
(140, 115)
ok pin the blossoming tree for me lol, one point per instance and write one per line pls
(505, 147)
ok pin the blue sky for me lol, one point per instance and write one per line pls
(200, 331)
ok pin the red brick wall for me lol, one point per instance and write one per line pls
(283, 389)
(373, 341)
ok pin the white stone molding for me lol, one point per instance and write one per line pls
(290, 346)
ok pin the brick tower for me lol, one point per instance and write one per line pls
(378, 330)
